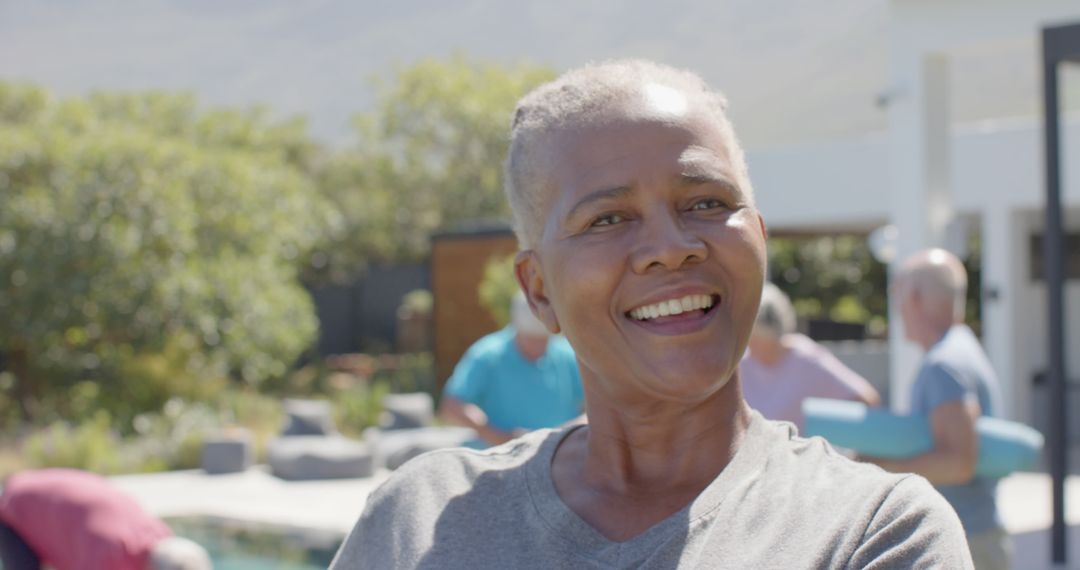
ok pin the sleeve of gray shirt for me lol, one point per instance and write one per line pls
(914, 527)
(377, 540)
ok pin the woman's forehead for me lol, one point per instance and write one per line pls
(596, 153)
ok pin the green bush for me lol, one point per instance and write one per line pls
(9, 409)
(91, 445)
(498, 287)
(172, 438)
(406, 372)
(418, 301)
(359, 408)
(165, 440)
(134, 222)
(262, 415)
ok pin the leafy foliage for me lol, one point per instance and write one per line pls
(136, 223)
(831, 277)
(837, 278)
(498, 287)
(417, 301)
(429, 157)
(90, 445)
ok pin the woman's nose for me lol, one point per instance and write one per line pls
(666, 242)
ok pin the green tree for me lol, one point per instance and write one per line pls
(836, 277)
(497, 288)
(428, 157)
(831, 277)
(136, 223)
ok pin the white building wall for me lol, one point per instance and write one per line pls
(834, 185)
(964, 25)
(843, 184)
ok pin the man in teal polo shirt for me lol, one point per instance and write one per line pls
(514, 380)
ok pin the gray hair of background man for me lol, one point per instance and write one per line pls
(939, 278)
(178, 553)
(522, 318)
(593, 95)
(776, 315)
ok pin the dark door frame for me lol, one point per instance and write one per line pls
(1061, 45)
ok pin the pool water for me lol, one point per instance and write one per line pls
(237, 545)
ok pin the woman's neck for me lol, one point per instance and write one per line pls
(649, 447)
(638, 464)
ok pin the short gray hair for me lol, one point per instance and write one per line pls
(776, 315)
(592, 95)
(178, 553)
(937, 275)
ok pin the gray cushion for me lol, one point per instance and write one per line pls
(226, 453)
(309, 417)
(395, 447)
(403, 411)
(305, 457)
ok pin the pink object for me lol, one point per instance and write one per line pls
(808, 370)
(76, 520)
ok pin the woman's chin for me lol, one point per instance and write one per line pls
(686, 387)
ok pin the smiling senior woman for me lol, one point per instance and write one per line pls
(641, 243)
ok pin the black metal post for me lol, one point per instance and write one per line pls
(1053, 262)
(1060, 44)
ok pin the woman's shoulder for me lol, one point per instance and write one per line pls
(448, 472)
(820, 478)
(438, 490)
(795, 456)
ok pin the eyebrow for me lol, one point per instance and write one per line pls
(604, 194)
(685, 178)
(701, 166)
(694, 178)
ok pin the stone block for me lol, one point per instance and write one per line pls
(302, 458)
(405, 411)
(394, 447)
(308, 417)
(227, 453)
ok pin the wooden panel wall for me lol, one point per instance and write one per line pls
(457, 266)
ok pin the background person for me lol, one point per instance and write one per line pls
(514, 380)
(782, 367)
(75, 520)
(954, 386)
(641, 243)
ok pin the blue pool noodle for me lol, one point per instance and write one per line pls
(1004, 446)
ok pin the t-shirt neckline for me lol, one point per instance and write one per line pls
(564, 523)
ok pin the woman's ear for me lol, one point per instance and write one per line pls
(531, 280)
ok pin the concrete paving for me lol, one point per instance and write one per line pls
(1024, 500)
(332, 506)
(254, 496)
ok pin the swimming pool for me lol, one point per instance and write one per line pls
(235, 545)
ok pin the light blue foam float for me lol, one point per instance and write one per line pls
(1004, 446)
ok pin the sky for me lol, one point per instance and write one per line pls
(793, 70)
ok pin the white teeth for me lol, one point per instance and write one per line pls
(672, 307)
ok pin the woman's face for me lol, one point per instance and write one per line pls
(652, 257)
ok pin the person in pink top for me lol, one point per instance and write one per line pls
(782, 367)
(75, 520)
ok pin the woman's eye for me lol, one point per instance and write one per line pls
(707, 204)
(606, 220)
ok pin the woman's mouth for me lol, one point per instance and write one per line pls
(685, 306)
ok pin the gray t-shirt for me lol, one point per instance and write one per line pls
(783, 502)
(957, 369)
